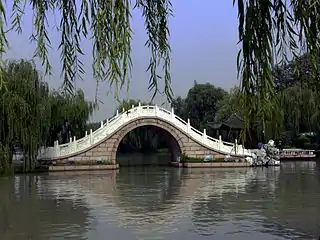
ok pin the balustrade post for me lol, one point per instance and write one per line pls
(117, 114)
(172, 113)
(101, 124)
(235, 146)
(220, 142)
(107, 122)
(132, 107)
(90, 136)
(70, 144)
(155, 110)
(122, 109)
(204, 134)
(74, 143)
(139, 107)
(86, 133)
(188, 126)
(56, 148)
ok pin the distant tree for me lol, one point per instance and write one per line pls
(268, 30)
(201, 101)
(200, 105)
(69, 116)
(228, 105)
(180, 108)
(92, 125)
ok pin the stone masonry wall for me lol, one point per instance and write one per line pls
(107, 149)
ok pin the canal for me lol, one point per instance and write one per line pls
(164, 203)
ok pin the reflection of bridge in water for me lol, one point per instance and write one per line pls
(167, 202)
(28, 211)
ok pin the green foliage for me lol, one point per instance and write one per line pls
(81, 163)
(228, 105)
(200, 105)
(202, 102)
(268, 31)
(186, 159)
(32, 116)
(108, 24)
(302, 141)
(92, 125)
(298, 96)
(69, 116)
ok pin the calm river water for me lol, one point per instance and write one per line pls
(164, 203)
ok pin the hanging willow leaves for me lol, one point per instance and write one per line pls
(271, 30)
(107, 23)
(32, 116)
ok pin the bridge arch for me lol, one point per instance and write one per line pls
(176, 145)
(102, 144)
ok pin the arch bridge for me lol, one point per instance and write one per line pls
(103, 143)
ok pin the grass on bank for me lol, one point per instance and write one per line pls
(78, 163)
(185, 159)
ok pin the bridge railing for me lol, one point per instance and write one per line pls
(111, 125)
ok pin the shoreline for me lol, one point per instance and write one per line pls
(94, 167)
(210, 164)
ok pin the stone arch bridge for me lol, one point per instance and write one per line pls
(103, 143)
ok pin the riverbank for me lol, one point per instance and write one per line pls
(210, 164)
(83, 167)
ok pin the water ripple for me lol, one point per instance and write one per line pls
(164, 204)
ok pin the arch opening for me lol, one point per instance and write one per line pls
(147, 145)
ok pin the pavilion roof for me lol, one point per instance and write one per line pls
(233, 122)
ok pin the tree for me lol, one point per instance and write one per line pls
(179, 107)
(228, 105)
(108, 24)
(200, 105)
(298, 95)
(69, 116)
(299, 70)
(33, 116)
(24, 110)
(202, 102)
(266, 29)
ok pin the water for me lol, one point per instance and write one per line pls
(164, 203)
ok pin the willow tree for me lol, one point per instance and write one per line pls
(69, 116)
(25, 111)
(32, 116)
(269, 30)
(229, 105)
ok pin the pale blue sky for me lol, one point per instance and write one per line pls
(203, 41)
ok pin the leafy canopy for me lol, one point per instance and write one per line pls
(269, 30)
(107, 23)
(31, 115)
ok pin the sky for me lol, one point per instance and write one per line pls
(204, 48)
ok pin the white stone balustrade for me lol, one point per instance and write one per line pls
(113, 124)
